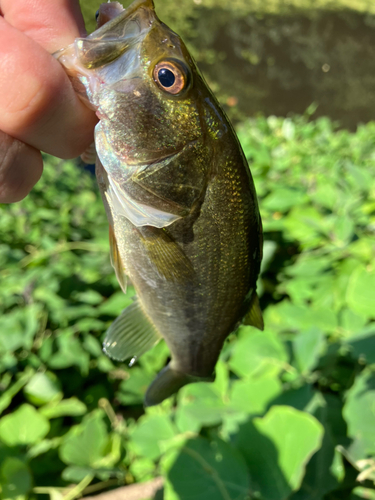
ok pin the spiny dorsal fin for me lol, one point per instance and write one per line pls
(254, 315)
(116, 260)
(130, 335)
(168, 258)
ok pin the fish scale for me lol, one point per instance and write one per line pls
(179, 196)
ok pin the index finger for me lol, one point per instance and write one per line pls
(53, 24)
(38, 105)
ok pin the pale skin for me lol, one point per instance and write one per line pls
(39, 110)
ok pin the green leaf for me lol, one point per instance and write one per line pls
(325, 471)
(43, 388)
(18, 328)
(85, 444)
(360, 292)
(133, 389)
(200, 405)
(23, 427)
(278, 446)
(288, 316)
(143, 469)
(207, 470)
(117, 302)
(15, 479)
(351, 322)
(253, 395)
(307, 346)
(70, 353)
(257, 351)
(283, 198)
(363, 345)
(151, 430)
(359, 411)
(71, 407)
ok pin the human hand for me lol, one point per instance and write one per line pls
(39, 110)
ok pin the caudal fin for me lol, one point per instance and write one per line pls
(167, 383)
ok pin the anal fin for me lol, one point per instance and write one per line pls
(130, 335)
(116, 260)
(254, 315)
(167, 383)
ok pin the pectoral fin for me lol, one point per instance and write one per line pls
(130, 335)
(168, 258)
(254, 315)
(116, 260)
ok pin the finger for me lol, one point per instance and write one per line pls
(53, 24)
(38, 105)
(20, 168)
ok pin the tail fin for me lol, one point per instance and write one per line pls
(167, 383)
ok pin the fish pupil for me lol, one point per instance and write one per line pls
(166, 77)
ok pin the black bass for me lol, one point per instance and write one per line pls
(180, 200)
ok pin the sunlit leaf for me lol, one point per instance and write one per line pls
(278, 446)
(23, 427)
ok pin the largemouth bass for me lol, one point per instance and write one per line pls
(179, 196)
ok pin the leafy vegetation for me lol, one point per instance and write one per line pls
(291, 413)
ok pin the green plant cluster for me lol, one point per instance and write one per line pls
(291, 413)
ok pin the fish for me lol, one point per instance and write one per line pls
(184, 222)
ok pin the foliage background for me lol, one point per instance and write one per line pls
(279, 56)
(291, 414)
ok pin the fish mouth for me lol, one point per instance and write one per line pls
(141, 12)
(111, 10)
(120, 29)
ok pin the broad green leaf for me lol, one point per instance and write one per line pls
(351, 322)
(23, 427)
(71, 407)
(283, 198)
(325, 471)
(70, 353)
(343, 230)
(359, 411)
(42, 388)
(288, 316)
(18, 328)
(276, 449)
(209, 470)
(134, 387)
(360, 292)
(363, 344)
(200, 405)
(257, 352)
(307, 347)
(15, 479)
(149, 433)
(85, 444)
(253, 395)
(142, 469)
(117, 302)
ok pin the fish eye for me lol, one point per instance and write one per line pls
(170, 76)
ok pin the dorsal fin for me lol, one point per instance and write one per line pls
(254, 315)
(116, 260)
